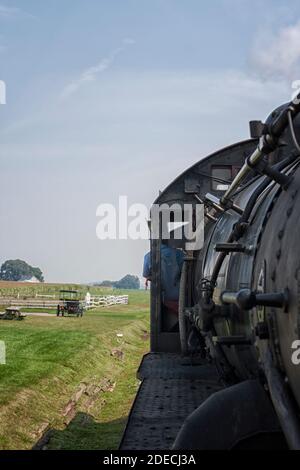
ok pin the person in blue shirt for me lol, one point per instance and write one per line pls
(171, 266)
(147, 269)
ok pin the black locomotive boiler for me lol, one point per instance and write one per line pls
(229, 375)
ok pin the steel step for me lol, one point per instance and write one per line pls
(172, 387)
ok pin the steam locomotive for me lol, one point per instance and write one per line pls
(229, 376)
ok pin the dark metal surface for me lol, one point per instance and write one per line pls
(172, 388)
(236, 274)
(279, 253)
(174, 366)
(229, 417)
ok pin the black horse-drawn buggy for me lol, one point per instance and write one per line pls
(70, 304)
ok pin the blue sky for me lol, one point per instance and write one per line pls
(106, 98)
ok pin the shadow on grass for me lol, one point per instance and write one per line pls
(83, 433)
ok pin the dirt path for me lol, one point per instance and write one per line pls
(39, 314)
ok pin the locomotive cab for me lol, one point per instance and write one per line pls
(210, 175)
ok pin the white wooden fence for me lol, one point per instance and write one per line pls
(107, 300)
(96, 301)
(45, 296)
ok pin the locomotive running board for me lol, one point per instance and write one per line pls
(171, 388)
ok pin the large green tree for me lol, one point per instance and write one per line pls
(16, 269)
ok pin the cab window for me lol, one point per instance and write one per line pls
(222, 176)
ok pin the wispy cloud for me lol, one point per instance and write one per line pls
(13, 13)
(90, 74)
(277, 53)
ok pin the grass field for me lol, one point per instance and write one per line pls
(35, 310)
(72, 380)
(29, 290)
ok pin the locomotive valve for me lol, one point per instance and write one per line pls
(246, 299)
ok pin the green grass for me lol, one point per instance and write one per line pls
(36, 310)
(50, 359)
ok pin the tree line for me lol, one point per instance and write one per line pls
(17, 270)
(127, 282)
